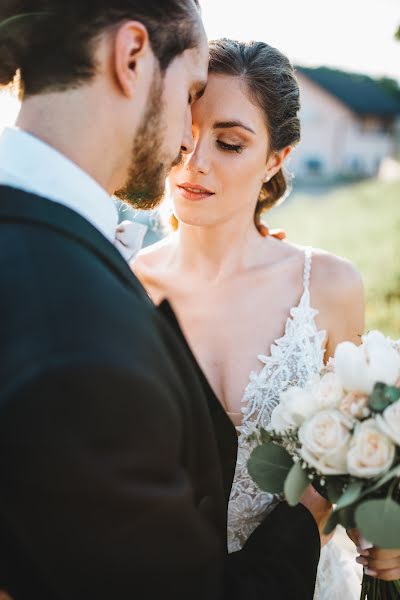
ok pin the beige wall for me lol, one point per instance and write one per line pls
(335, 136)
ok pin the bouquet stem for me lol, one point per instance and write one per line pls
(376, 589)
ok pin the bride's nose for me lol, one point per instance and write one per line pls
(187, 144)
(198, 160)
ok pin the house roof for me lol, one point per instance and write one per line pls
(362, 94)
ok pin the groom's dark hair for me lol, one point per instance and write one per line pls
(49, 44)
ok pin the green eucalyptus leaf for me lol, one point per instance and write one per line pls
(296, 484)
(392, 393)
(265, 436)
(379, 522)
(332, 522)
(346, 517)
(378, 400)
(269, 465)
(395, 472)
(334, 489)
(350, 496)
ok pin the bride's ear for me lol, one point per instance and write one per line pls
(275, 162)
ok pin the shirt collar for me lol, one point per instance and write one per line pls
(32, 165)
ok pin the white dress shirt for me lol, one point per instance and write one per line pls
(33, 166)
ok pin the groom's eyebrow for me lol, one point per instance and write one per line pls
(231, 124)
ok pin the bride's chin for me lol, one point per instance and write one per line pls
(191, 220)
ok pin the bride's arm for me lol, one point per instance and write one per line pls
(337, 292)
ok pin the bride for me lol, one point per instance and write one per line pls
(260, 314)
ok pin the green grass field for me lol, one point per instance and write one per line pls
(362, 223)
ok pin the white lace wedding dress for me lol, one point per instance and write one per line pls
(293, 359)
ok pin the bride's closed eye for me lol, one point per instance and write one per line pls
(230, 147)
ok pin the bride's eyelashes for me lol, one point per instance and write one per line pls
(230, 147)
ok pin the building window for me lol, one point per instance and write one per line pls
(314, 166)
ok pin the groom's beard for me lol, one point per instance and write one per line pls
(145, 186)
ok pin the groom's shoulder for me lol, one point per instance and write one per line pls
(54, 284)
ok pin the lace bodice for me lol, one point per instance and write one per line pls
(293, 359)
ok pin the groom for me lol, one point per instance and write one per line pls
(116, 459)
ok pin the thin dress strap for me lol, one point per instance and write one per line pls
(307, 268)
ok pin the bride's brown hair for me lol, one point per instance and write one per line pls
(273, 87)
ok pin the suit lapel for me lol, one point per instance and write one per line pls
(17, 206)
(22, 207)
(225, 432)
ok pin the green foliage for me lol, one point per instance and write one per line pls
(390, 85)
(362, 223)
(379, 522)
(350, 496)
(382, 396)
(332, 523)
(296, 484)
(264, 436)
(344, 517)
(269, 465)
(377, 485)
(334, 488)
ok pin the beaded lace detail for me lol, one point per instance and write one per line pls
(294, 358)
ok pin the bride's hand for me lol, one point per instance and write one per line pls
(377, 562)
(320, 508)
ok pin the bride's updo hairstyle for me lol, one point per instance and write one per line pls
(272, 86)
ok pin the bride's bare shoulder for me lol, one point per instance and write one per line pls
(152, 258)
(334, 275)
(337, 291)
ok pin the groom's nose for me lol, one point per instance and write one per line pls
(187, 144)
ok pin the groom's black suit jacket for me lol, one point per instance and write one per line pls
(116, 459)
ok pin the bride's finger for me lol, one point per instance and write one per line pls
(388, 575)
(379, 565)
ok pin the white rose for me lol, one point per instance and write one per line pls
(281, 421)
(360, 367)
(329, 391)
(371, 452)
(324, 438)
(296, 405)
(389, 422)
(351, 367)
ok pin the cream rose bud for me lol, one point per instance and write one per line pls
(324, 438)
(389, 422)
(371, 452)
(355, 405)
(329, 391)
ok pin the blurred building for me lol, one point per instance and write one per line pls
(350, 124)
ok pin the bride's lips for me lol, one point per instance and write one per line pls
(193, 191)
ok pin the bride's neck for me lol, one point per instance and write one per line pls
(216, 252)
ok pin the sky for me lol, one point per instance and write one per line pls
(355, 35)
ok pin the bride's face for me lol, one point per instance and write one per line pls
(229, 162)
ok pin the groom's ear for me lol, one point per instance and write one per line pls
(133, 57)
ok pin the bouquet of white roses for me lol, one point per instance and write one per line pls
(342, 433)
